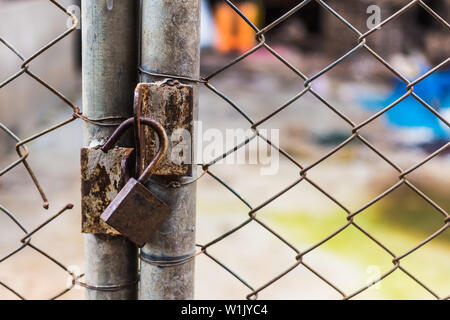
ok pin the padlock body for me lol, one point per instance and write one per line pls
(136, 212)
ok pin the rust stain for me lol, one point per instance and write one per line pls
(100, 182)
(171, 103)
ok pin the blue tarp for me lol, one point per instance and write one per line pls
(434, 90)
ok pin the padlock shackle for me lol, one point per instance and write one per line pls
(112, 140)
(163, 143)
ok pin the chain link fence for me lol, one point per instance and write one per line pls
(354, 134)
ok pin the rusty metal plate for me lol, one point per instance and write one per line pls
(170, 103)
(101, 180)
(136, 212)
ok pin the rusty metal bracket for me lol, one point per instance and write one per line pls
(171, 103)
(102, 177)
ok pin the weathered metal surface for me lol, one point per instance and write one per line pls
(136, 212)
(170, 103)
(101, 175)
(170, 44)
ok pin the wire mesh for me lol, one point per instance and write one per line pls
(23, 154)
(298, 255)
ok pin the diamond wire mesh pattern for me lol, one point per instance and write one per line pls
(354, 134)
(23, 154)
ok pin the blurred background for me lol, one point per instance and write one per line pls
(358, 87)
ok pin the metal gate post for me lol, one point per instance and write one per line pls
(109, 33)
(170, 44)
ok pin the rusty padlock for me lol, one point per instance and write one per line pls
(136, 212)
